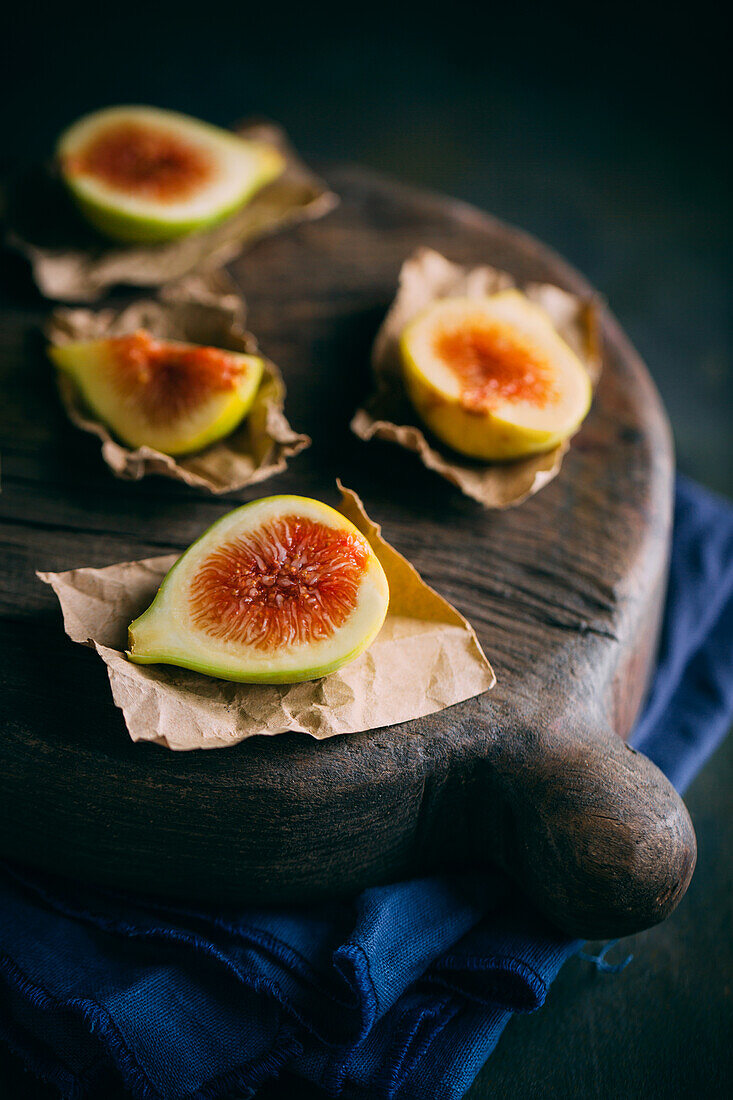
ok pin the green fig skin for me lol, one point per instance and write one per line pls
(158, 636)
(120, 227)
(90, 366)
(244, 166)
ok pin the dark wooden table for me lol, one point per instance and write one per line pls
(565, 593)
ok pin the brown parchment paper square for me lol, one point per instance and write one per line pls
(425, 277)
(425, 658)
(202, 310)
(71, 262)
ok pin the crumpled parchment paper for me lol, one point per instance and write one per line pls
(201, 310)
(425, 277)
(425, 658)
(73, 263)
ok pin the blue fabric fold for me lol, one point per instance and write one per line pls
(401, 993)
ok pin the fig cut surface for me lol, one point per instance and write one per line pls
(281, 590)
(492, 378)
(172, 396)
(143, 175)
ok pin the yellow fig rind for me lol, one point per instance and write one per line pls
(481, 433)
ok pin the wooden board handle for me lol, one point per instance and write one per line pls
(590, 829)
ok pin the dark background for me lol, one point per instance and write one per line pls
(598, 128)
(601, 130)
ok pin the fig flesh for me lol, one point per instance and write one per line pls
(492, 378)
(171, 396)
(142, 175)
(281, 590)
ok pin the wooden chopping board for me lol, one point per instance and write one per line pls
(565, 593)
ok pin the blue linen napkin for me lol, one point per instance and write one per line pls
(401, 993)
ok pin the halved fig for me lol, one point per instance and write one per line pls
(142, 175)
(492, 378)
(171, 396)
(281, 590)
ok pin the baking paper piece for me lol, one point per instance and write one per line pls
(73, 263)
(425, 277)
(425, 658)
(201, 310)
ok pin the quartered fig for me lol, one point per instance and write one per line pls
(492, 378)
(171, 396)
(140, 174)
(281, 590)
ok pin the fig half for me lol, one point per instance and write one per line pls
(142, 175)
(171, 396)
(281, 590)
(492, 378)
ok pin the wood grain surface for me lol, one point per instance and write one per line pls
(565, 594)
